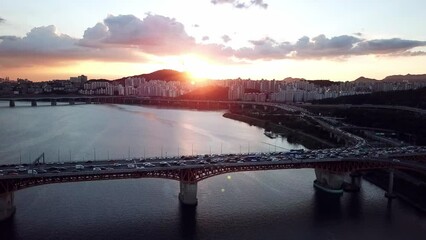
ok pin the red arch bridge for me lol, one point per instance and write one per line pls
(329, 171)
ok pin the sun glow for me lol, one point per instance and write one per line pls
(196, 66)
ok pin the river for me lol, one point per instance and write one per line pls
(249, 205)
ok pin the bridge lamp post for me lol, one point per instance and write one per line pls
(128, 153)
(248, 148)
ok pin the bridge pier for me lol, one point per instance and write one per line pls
(53, 102)
(88, 101)
(33, 103)
(355, 184)
(72, 101)
(7, 206)
(389, 194)
(329, 182)
(11, 103)
(188, 194)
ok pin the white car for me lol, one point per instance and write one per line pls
(32, 171)
(79, 167)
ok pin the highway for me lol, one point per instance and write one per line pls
(294, 157)
(403, 108)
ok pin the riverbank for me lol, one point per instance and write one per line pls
(293, 136)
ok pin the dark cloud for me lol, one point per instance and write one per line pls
(242, 4)
(2, 20)
(205, 38)
(44, 45)
(323, 47)
(226, 38)
(196, 25)
(358, 34)
(386, 46)
(154, 34)
(266, 48)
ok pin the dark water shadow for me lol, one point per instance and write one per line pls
(188, 222)
(326, 206)
(7, 229)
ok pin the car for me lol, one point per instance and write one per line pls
(79, 167)
(97, 169)
(131, 165)
(32, 171)
(164, 164)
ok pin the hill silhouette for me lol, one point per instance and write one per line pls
(163, 75)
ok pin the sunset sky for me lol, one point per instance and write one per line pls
(216, 39)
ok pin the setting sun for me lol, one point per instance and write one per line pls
(197, 68)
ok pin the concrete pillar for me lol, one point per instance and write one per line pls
(53, 102)
(329, 182)
(7, 206)
(389, 194)
(33, 103)
(88, 101)
(72, 101)
(356, 180)
(11, 103)
(188, 194)
(355, 184)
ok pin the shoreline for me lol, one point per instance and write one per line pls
(293, 136)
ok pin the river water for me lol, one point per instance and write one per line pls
(248, 205)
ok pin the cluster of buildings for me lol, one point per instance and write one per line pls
(136, 86)
(300, 90)
(27, 87)
(287, 90)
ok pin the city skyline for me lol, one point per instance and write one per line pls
(222, 39)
